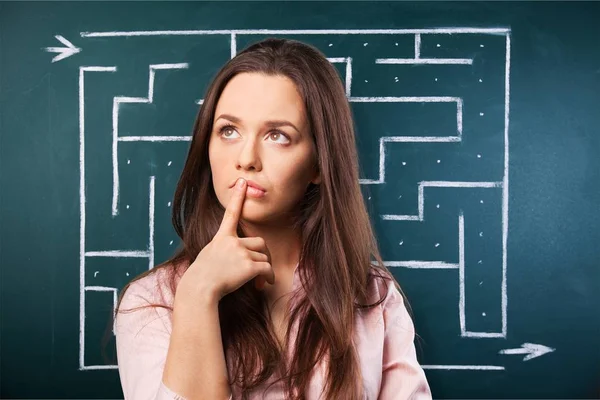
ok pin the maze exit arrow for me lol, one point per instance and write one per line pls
(531, 349)
(64, 51)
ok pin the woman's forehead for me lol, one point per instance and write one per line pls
(253, 97)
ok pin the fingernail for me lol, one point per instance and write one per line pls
(240, 183)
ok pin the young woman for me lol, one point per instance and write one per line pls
(274, 294)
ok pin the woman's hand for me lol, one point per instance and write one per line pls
(228, 261)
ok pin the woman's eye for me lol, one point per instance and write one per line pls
(280, 135)
(274, 134)
(225, 129)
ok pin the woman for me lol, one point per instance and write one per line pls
(273, 294)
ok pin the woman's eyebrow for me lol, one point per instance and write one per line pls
(270, 124)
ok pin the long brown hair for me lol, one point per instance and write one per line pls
(336, 264)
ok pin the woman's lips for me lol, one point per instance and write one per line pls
(254, 192)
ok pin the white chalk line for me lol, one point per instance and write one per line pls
(492, 31)
(461, 272)
(154, 138)
(433, 61)
(118, 253)
(465, 367)
(505, 189)
(421, 264)
(151, 196)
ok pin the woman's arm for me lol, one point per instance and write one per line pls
(145, 337)
(195, 366)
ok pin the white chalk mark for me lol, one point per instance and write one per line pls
(531, 349)
(437, 206)
(401, 242)
(118, 253)
(465, 367)
(169, 163)
(128, 206)
(461, 272)
(98, 367)
(505, 186)
(436, 61)
(233, 46)
(117, 101)
(154, 138)
(151, 195)
(417, 46)
(449, 31)
(171, 242)
(408, 99)
(96, 273)
(64, 52)
(437, 245)
(169, 204)
(421, 264)
(365, 44)
(483, 314)
(82, 200)
(403, 162)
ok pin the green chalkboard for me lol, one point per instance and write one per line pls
(479, 139)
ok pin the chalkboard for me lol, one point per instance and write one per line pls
(479, 132)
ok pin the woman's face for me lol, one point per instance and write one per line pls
(260, 133)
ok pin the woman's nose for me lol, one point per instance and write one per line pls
(249, 156)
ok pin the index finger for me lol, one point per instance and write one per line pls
(234, 209)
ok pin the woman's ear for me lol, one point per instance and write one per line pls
(317, 178)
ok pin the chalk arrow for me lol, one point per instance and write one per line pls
(531, 349)
(64, 51)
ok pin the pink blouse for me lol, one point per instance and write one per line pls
(384, 338)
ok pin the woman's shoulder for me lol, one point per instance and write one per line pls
(381, 286)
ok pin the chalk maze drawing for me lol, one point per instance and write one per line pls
(426, 113)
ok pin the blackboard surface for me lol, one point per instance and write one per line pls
(479, 132)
